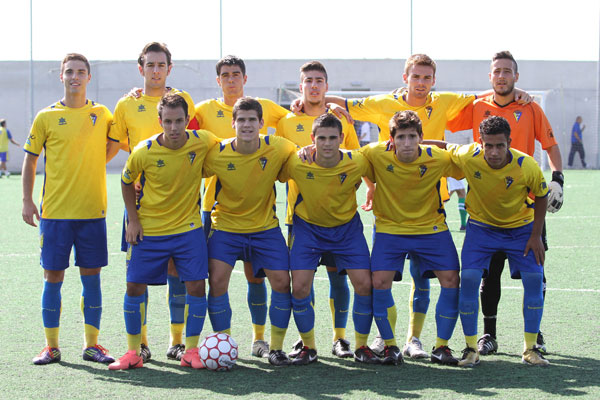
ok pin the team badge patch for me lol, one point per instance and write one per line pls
(428, 111)
(390, 168)
(263, 162)
(517, 114)
(62, 121)
(160, 163)
(309, 175)
(141, 108)
(422, 169)
(299, 128)
(192, 156)
(93, 117)
(357, 102)
(231, 167)
(127, 174)
(544, 186)
(343, 177)
(477, 175)
(220, 114)
(486, 114)
(509, 180)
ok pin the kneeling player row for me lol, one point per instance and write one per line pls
(406, 205)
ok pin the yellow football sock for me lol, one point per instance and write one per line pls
(530, 340)
(90, 335)
(339, 333)
(308, 338)
(471, 341)
(277, 336)
(258, 332)
(360, 339)
(134, 342)
(440, 342)
(227, 331)
(192, 341)
(51, 337)
(177, 333)
(415, 325)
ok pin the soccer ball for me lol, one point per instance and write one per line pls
(218, 352)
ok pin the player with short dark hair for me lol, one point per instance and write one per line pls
(502, 217)
(325, 222)
(528, 123)
(297, 128)
(216, 116)
(410, 220)
(73, 133)
(244, 224)
(136, 120)
(165, 224)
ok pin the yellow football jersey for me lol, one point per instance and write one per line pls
(407, 200)
(4, 138)
(434, 114)
(297, 129)
(74, 144)
(245, 184)
(137, 119)
(327, 195)
(216, 116)
(499, 197)
(169, 202)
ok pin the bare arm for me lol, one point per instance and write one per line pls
(17, 143)
(112, 148)
(555, 158)
(28, 179)
(134, 228)
(439, 143)
(521, 96)
(368, 206)
(535, 240)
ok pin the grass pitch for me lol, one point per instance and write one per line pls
(571, 326)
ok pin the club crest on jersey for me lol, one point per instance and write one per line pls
(127, 174)
(263, 162)
(93, 117)
(428, 111)
(509, 181)
(343, 177)
(231, 167)
(299, 128)
(486, 114)
(220, 114)
(30, 138)
(390, 168)
(517, 114)
(477, 175)
(141, 108)
(160, 163)
(357, 103)
(192, 156)
(422, 169)
(309, 175)
(62, 121)
(544, 186)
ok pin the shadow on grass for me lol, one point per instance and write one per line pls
(333, 378)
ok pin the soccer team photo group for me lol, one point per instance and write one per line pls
(199, 194)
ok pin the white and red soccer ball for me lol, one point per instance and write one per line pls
(218, 352)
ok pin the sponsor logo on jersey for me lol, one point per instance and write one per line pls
(343, 177)
(517, 114)
(550, 133)
(357, 102)
(231, 167)
(220, 114)
(30, 138)
(422, 169)
(509, 181)
(127, 174)
(192, 156)
(141, 108)
(544, 186)
(62, 121)
(299, 128)
(428, 111)
(486, 114)
(309, 175)
(390, 168)
(192, 225)
(477, 175)
(263, 162)
(435, 228)
(160, 163)
(93, 117)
